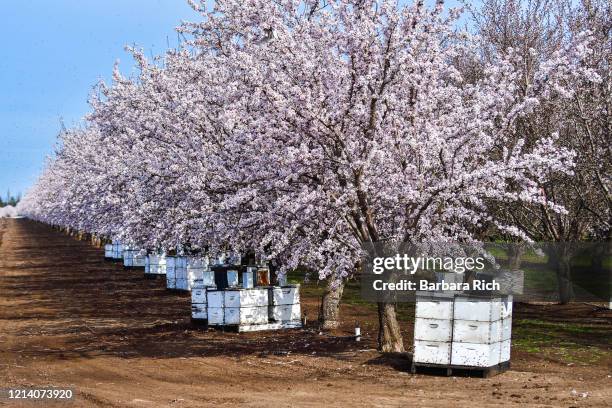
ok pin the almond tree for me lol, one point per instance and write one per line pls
(304, 130)
(358, 129)
(535, 32)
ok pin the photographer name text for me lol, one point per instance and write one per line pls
(425, 285)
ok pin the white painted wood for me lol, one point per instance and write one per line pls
(430, 307)
(285, 313)
(475, 355)
(432, 352)
(155, 264)
(288, 295)
(117, 250)
(199, 311)
(198, 296)
(216, 316)
(471, 331)
(506, 329)
(433, 329)
(246, 315)
(197, 263)
(480, 309)
(232, 278)
(128, 258)
(139, 260)
(480, 335)
(108, 250)
(505, 351)
(506, 306)
(215, 298)
(170, 267)
(182, 284)
(246, 297)
(270, 326)
(170, 282)
(206, 280)
(449, 277)
(180, 268)
(248, 280)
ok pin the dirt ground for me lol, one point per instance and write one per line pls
(69, 319)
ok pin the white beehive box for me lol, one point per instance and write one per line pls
(132, 258)
(206, 279)
(196, 265)
(285, 313)
(155, 264)
(182, 284)
(139, 259)
(506, 306)
(472, 331)
(216, 316)
(432, 352)
(202, 279)
(505, 350)
(128, 258)
(170, 272)
(462, 330)
(439, 306)
(246, 315)
(471, 308)
(248, 279)
(180, 267)
(287, 295)
(506, 328)
(108, 250)
(215, 298)
(476, 354)
(433, 329)
(198, 296)
(199, 311)
(246, 297)
(170, 262)
(199, 307)
(117, 250)
(232, 278)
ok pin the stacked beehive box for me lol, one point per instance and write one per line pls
(117, 251)
(196, 266)
(462, 331)
(215, 307)
(108, 252)
(199, 298)
(245, 307)
(155, 265)
(238, 307)
(285, 305)
(133, 258)
(170, 272)
(180, 273)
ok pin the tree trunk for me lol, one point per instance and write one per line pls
(329, 315)
(515, 253)
(389, 335)
(564, 279)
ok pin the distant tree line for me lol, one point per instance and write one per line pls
(10, 199)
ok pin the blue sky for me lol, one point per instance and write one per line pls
(53, 52)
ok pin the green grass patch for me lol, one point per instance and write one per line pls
(566, 342)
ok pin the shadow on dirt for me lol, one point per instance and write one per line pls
(67, 302)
